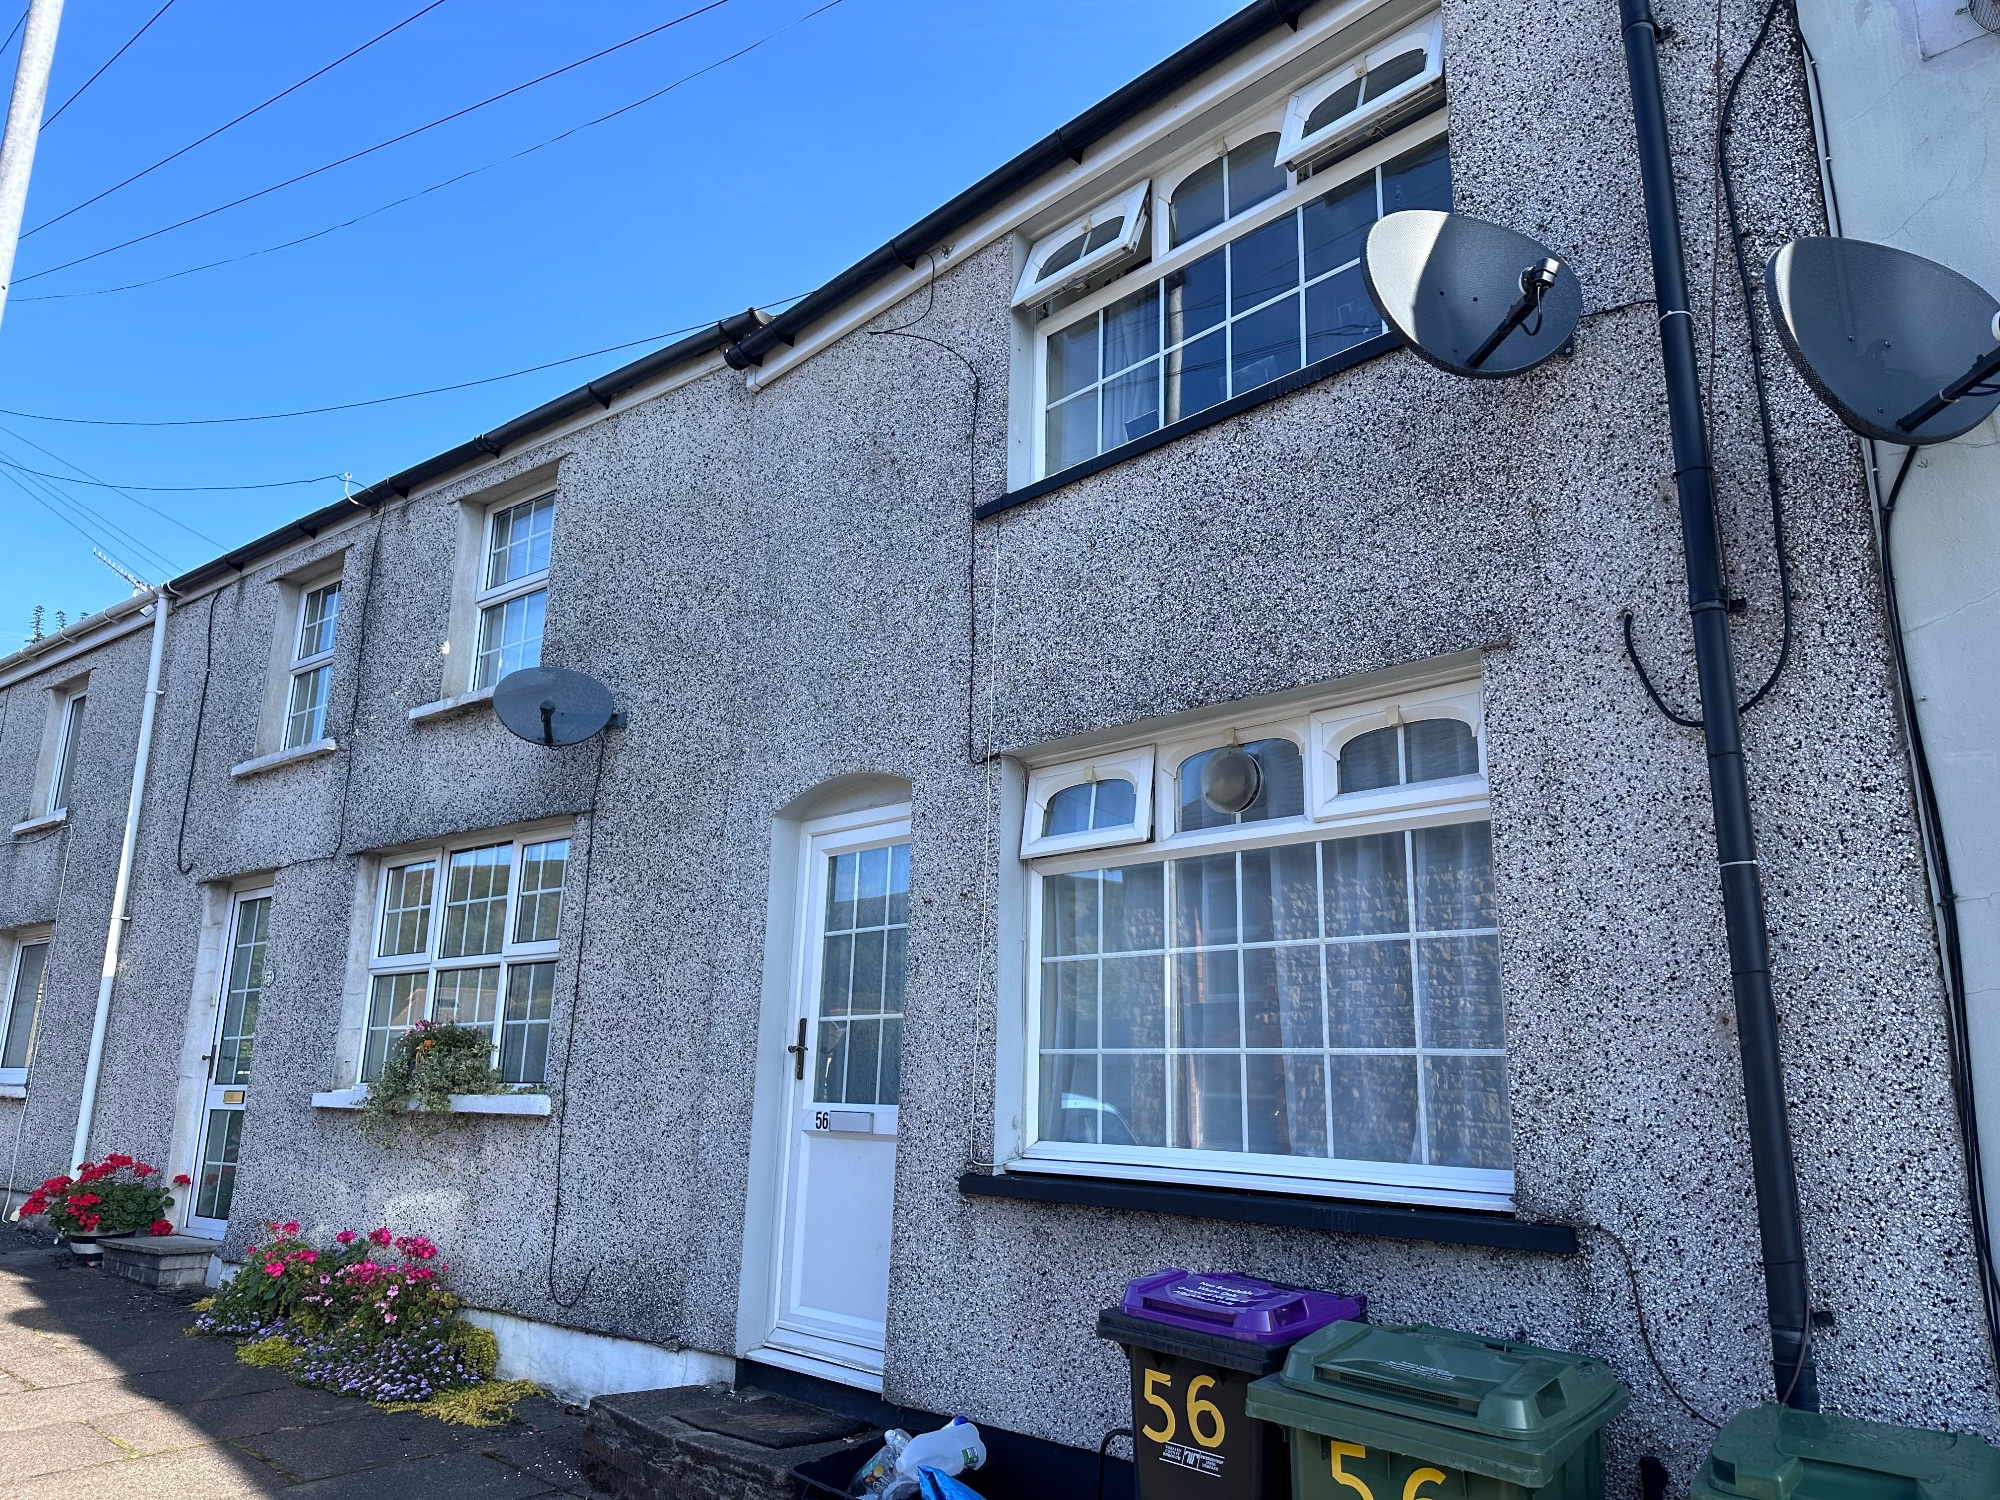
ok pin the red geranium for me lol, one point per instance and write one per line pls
(118, 1195)
(160, 1227)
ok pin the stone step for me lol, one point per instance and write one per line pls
(167, 1260)
(707, 1442)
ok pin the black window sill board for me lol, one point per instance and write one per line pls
(1439, 1226)
(1347, 359)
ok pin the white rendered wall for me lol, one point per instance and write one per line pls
(1912, 98)
(580, 1366)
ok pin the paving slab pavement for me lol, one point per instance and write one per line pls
(104, 1397)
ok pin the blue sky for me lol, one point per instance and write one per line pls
(749, 184)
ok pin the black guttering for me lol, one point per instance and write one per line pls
(1065, 147)
(598, 394)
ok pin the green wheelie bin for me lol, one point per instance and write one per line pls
(1419, 1413)
(1775, 1453)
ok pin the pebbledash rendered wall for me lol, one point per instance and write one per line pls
(783, 587)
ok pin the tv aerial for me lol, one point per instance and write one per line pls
(1473, 298)
(1903, 349)
(554, 706)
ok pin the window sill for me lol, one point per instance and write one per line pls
(1434, 1225)
(258, 765)
(1347, 359)
(461, 1104)
(45, 822)
(13, 1091)
(445, 708)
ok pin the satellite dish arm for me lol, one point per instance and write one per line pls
(1535, 284)
(1983, 369)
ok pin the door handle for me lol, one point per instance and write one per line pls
(798, 1050)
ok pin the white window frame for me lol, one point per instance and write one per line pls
(20, 942)
(308, 665)
(1131, 205)
(70, 709)
(1166, 261)
(1299, 153)
(429, 962)
(1135, 766)
(1422, 805)
(487, 600)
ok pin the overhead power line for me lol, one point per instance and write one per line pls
(107, 63)
(170, 489)
(166, 516)
(16, 31)
(231, 124)
(353, 156)
(316, 234)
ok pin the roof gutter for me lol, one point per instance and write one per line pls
(1066, 147)
(598, 395)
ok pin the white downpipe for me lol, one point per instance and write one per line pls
(24, 125)
(121, 891)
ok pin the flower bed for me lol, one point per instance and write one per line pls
(118, 1195)
(368, 1315)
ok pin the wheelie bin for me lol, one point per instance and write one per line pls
(1775, 1453)
(1195, 1342)
(1419, 1413)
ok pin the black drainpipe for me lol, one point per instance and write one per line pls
(1796, 1382)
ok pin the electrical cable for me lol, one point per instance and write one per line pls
(437, 186)
(354, 689)
(354, 156)
(1945, 894)
(50, 120)
(1639, 1317)
(173, 489)
(18, 24)
(232, 124)
(63, 504)
(143, 505)
(181, 861)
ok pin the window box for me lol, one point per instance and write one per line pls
(262, 763)
(461, 1104)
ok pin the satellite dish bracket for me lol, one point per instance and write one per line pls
(1984, 368)
(1535, 283)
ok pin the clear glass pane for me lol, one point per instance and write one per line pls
(1281, 996)
(1208, 999)
(1115, 805)
(1070, 1105)
(538, 907)
(843, 870)
(406, 909)
(1374, 1109)
(1133, 1002)
(1197, 376)
(865, 998)
(24, 1005)
(1466, 1098)
(1336, 226)
(1255, 174)
(1205, 901)
(1131, 405)
(899, 884)
(1070, 913)
(1208, 1101)
(1132, 330)
(243, 987)
(466, 997)
(520, 542)
(1072, 432)
(510, 637)
(1372, 760)
(1065, 255)
(1107, 233)
(1367, 889)
(1133, 1091)
(72, 741)
(1285, 1105)
(1198, 204)
(889, 1088)
(836, 975)
(862, 968)
(1069, 810)
(475, 901)
(871, 903)
(1280, 893)
(1440, 748)
(222, 1141)
(1134, 905)
(305, 711)
(1267, 345)
(396, 1003)
(1454, 875)
(830, 1071)
(1197, 296)
(1419, 179)
(1334, 108)
(319, 613)
(1262, 264)
(1339, 315)
(524, 1034)
(1399, 69)
(1460, 979)
(1281, 789)
(1072, 359)
(1069, 1003)
(1369, 998)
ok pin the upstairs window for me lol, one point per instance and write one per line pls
(1227, 187)
(1089, 805)
(20, 1008)
(312, 666)
(1071, 256)
(69, 744)
(514, 589)
(468, 936)
(1370, 96)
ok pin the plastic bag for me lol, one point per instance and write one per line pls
(951, 1449)
(934, 1484)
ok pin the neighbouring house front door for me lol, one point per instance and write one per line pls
(229, 1063)
(844, 1054)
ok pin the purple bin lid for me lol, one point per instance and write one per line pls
(1237, 1307)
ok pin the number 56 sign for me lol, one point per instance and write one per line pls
(1414, 1488)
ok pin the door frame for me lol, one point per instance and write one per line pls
(791, 930)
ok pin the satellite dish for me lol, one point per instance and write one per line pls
(552, 706)
(1471, 297)
(1903, 349)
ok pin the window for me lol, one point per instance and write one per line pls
(1372, 94)
(513, 589)
(312, 666)
(20, 1008)
(1275, 990)
(1285, 292)
(69, 741)
(467, 935)
(1089, 805)
(1080, 250)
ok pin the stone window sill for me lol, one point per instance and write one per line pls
(461, 1104)
(446, 708)
(13, 1091)
(55, 819)
(262, 763)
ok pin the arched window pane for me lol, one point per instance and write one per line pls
(1198, 204)
(1282, 794)
(1255, 174)
(1337, 105)
(1371, 760)
(1397, 70)
(1063, 257)
(1441, 748)
(1092, 805)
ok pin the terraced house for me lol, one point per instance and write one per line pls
(893, 982)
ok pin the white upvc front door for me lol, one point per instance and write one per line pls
(843, 1075)
(228, 1090)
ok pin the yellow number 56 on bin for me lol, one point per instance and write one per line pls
(1411, 1486)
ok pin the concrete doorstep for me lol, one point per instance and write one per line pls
(169, 1260)
(705, 1442)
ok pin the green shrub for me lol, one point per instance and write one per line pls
(428, 1064)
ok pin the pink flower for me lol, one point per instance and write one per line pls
(380, 1236)
(274, 1268)
(388, 1317)
(346, 1237)
(290, 1226)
